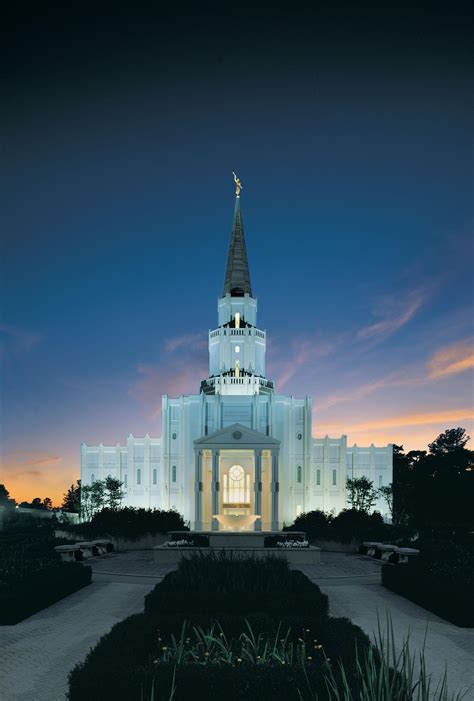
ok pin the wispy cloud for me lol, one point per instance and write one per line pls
(16, 340)
(394, 313)
(452, 359)
(194, 340)
(300, 355)
(421, 418)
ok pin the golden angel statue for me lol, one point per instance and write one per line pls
(238, 184)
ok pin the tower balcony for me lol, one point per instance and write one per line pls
(230, 384)
(228, 331)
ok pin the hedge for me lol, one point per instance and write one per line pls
(128, 522)
(448, 597)
(23, 597)
(121, 665)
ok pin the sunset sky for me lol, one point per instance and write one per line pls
(351, 134)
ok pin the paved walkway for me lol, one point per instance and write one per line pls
(356, 594)
(37, 654)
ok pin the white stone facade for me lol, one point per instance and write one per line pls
(180, 471)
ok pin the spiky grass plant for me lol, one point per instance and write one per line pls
(384, 673)
(381, 673)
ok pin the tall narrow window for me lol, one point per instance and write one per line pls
(299, 474)
(139, 475)
(380, 480)
(125, 481)
(173, 473)
(334, 477)
(318, 477)
(92, 478)
(155, 475)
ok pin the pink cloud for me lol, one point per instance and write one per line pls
(395, 313)
(194, 340)
(452, 359)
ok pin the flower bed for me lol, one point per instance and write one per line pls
(285, 541)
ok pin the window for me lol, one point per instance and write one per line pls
(318, 477)
(380, 480)
(125, 481)
(92, 478)
(139, 475)
(155, 476)
(173, 473)
(334, 477)
(299, 473)
(173, 436)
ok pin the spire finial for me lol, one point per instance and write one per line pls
(238, 184)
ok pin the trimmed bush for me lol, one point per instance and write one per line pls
(122, 664)
(129, 522)
(224, 583)
(442, 582)
(24, 597)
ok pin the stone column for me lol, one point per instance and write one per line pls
(215, 490)
(258, 489)
(275, 491)
(198, 490)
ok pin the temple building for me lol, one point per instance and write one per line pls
(237, 448)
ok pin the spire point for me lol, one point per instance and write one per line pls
(237, 277)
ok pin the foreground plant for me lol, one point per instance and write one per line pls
(383, 674)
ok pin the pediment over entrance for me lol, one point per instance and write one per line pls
(237, 436)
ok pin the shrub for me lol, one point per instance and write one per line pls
(21, 598)
(123, 662)
(314, 523)
(210, 583)
(129, 522)
(441, 581)
(352, 524)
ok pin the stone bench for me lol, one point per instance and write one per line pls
(369, 547)
(385, 551)
(89, 549)
(69, 553)
(103, 546)
(402, 555)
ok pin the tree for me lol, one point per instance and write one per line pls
(97, 496)
(86, 502)
(362, 495)
(5, 499)
(114, 493)
(386, 493)
(449, 441)
(72, 499)
(47, 504)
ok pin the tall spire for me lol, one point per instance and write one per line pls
(237, 276)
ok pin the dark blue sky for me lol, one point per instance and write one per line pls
(350, 132)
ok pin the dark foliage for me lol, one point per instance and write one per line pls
(440, 580)
(129, 522)
(314, 523)
(121, 665)
(23, 597)
(210, 583)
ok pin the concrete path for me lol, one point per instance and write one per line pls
(360, 596)
(37, 654)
